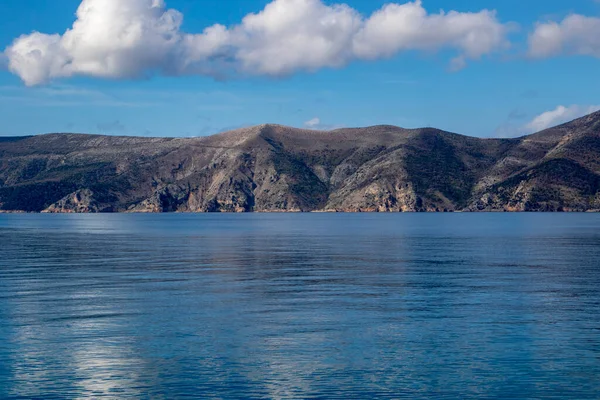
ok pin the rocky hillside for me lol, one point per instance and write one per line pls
(276, 168)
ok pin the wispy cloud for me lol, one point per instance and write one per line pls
(548, 119)
(65, 96)
(316, 124)
(313, 123)
(559, 115)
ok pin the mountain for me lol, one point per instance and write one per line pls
(276, 168)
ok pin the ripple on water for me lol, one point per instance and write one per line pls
(300, 306)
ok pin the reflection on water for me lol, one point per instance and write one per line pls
(300, 306)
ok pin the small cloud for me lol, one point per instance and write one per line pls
(457, 64)
(111, 127)
(559, 115)
(512, 128)
(313, 123)
(317, 124)
(574, 35)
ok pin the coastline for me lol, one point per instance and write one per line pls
(592, 211)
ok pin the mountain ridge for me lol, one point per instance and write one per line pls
(274, 168)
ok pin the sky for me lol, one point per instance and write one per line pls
(197, 67)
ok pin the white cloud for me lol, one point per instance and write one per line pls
(110, 38)
(576, 35)
(138, 38)
(313, 123)
(400, 27)
(559, 115)
(317, 124)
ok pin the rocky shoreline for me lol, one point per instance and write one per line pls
(273, 168)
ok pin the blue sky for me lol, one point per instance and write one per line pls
(505, 88)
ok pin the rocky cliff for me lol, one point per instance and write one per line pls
(273, 168)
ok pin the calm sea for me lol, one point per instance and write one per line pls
(273, 306)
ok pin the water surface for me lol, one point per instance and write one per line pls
(444, 306)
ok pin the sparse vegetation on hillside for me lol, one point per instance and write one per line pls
(277, 168)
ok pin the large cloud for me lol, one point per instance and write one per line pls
(403, 27)
(136, 38)
(559, 115)
(576, 34)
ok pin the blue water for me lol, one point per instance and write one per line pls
(332, 306)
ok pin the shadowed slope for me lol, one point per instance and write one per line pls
(277, 168)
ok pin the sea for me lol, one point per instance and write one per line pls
(300, 306)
